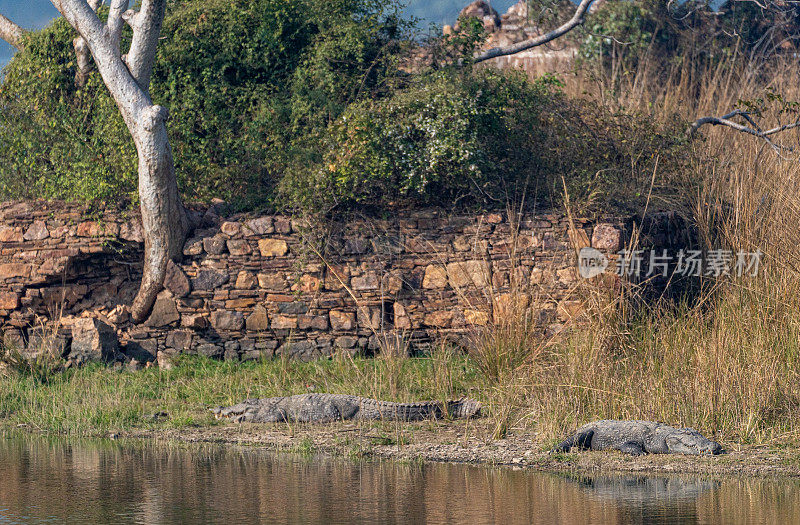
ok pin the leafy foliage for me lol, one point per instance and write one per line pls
(308, 105)
(482, 138)
(246, 82)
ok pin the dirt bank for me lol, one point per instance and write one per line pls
(462, 442)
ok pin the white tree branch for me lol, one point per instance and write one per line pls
(577, 19)
(146, 25)
(82, 54)
(11, 32)
(725, 120)
(115, 21)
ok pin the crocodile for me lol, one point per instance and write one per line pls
(325, 408)
(639, 437)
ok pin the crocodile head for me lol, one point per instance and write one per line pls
(690, 441)
(237, 413)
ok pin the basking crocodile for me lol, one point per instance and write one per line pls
(324, 408)
(639, 437)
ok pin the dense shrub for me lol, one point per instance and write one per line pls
(246, 81)
(310, 97)
(482, 138)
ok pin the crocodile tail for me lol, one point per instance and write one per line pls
(464, 408)
(412, 411)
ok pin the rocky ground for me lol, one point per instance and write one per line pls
(468, 442)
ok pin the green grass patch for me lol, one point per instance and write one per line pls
(96, 400)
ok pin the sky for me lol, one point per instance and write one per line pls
(35, 14)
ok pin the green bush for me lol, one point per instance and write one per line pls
(306, 105)
(480, 138)
(246, 82)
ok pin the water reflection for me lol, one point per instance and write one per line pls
(110, 482)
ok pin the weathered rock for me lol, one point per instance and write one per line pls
(346, 342)
(272, 281)
(440, 319)
(607, 237)
(214, 245)
(193, 247)
(132, 231)
(12, 270)
(469, 273)
(342, 321)
(260, 226)
(164, 313)
(10, 234)
(273, 247)
(239, 247)
(9, 300)
(92, 340)
(307, 284)
(230, 228)
(293, 308)
(284, 322)
(180, 340)
(37, 231)
(210, 350)
(476, 317)
(368, 281)
(258, 321)
(245, 281)
(195, 321)
(401, 319)
(226, 320)
(209, 280)
(176, 281)
(435, 277)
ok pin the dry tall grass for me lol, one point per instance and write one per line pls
(728, 363)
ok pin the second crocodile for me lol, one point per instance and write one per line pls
(324, 408)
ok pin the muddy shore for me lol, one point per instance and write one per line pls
(461, 442)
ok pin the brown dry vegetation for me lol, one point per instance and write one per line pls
(726, 363)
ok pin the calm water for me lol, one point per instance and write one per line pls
(54, 481)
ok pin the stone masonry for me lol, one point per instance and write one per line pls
(252, 287)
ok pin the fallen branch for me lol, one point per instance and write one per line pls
(576, 20)
(755, 130)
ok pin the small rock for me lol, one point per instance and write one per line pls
(209, 280)
(273, 247)
(37, 231)
(227, 320)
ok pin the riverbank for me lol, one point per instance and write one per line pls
(468, 443)
(520, 424)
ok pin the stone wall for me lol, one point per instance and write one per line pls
(264, 286)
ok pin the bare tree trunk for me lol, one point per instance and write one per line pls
(11, 32)
(164, 219)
